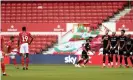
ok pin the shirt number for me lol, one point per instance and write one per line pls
(25, 38)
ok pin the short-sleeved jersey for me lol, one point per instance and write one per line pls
(122, 40)
(10, 46)
(106, 40)
(24, 37)
(113, 40)
(129, 43)
(86, 46)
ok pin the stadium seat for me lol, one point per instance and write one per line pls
(62, 9)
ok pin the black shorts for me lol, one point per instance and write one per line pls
(114, 51)
(84, 55)
(128, 53)
(122, 52)
(106, 51)
(26, 55)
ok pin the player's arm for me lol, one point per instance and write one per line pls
(126, 47)
(110, 46)
(31, 39)
(103, 38)
(124, 44)
(131, 45)
(117, 44)
(84, 48)
(108, 43)
(102, 41)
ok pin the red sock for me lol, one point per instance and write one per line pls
(14, 62)
(22, 61)
(3, 67)
(27, 62)
(81, 61)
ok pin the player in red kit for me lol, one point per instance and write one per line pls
(12, 51)
(2, 48)
(24, 41)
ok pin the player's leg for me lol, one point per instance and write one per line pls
(125, 58)
(111, 57)
(121, 57)
(131, 59)
(13, 58)
(120, 60)
(111, 60)
(3, 67)
(27, 60)
(27, 55)
(104, 57)
(22, 60)
(81, 60)
(2, 64)
(22, 55)
(14, 61)
(116, 60)
(126, 63)
(86, 60)
(116, 57)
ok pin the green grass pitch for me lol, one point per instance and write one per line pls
(68, 72)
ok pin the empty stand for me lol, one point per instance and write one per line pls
(64, 12)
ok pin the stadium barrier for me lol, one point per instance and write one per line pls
(50, 59)
(62, 59)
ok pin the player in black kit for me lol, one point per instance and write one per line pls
(114, 48)
(86, 47)
(122, 42)
(106, 47)
(129, 47)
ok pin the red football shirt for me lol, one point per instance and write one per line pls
(24, 37)
(11, 46)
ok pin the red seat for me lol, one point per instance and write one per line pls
(65, 11)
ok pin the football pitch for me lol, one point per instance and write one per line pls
(67, 72)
